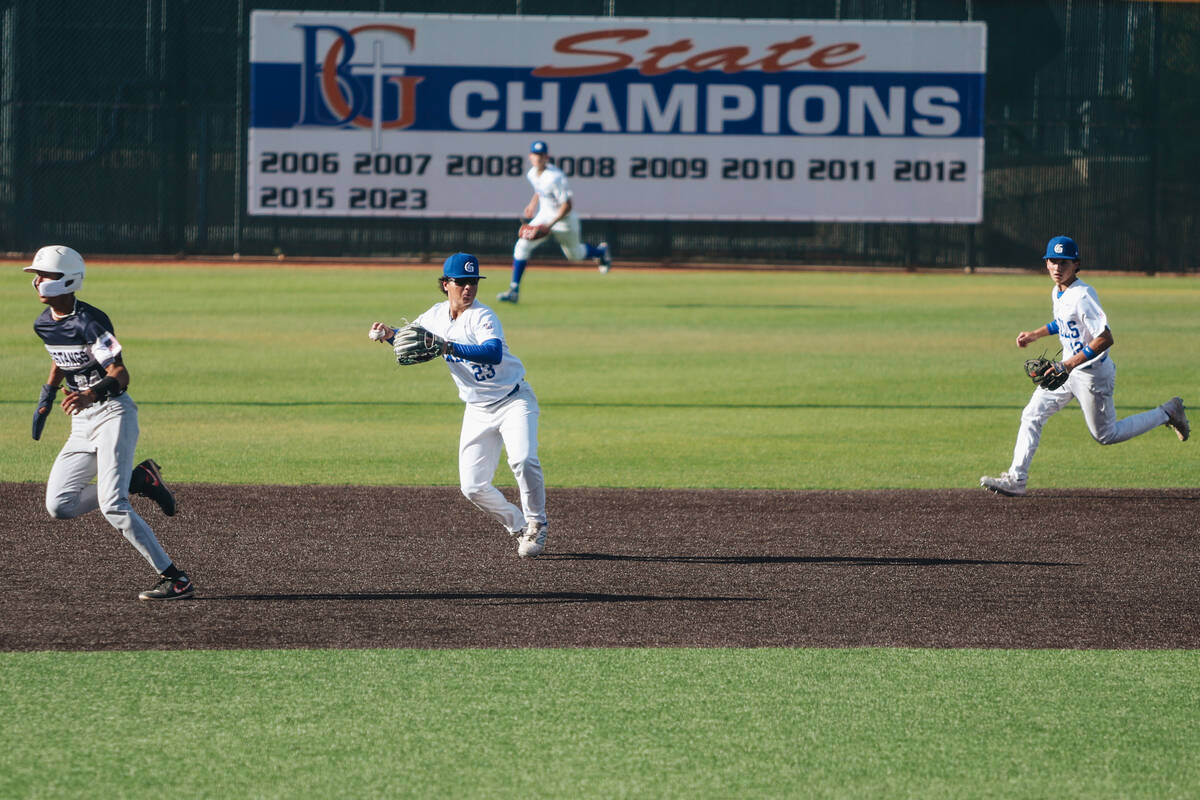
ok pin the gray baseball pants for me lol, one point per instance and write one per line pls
(101, 445)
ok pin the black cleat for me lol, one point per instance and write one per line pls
(170, 589)
(605, 260)
(147, 481)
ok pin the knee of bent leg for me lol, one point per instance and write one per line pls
(1032, 415)
(521, 466)
(1106, 436)
(59, 507)
(474, 492)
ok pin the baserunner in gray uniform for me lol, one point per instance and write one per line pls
(104, 424)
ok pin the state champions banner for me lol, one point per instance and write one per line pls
(399, 115)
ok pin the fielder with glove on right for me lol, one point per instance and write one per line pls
(501, 412)
(1088, 374)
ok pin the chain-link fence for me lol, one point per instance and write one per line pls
(123, 127)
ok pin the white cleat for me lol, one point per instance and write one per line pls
(511, 296)
(605, 259)
(1177, 419)
(1007, 484)
(532, 540)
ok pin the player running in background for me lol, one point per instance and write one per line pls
(1083, 331)
(551, 212)
(85, 353)
(501, 409)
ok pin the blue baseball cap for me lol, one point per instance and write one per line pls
(1062, 247)
(461, 265)
(539, 147)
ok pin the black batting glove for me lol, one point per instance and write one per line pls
(45, 403)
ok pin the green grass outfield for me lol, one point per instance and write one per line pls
(671, 379)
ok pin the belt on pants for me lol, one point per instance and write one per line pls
(515, 389)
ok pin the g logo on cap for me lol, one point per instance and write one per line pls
(1062, 247)
(461, 265)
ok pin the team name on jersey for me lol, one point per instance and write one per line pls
(70, 357)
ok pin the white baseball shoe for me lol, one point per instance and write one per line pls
(1176, 418)
(532, 540)
(511, 296)
(1007, 484)
(605, 258)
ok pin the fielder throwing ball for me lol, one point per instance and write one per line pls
(1087, 373)
(551, 212)
(501, 409)
(85, 353)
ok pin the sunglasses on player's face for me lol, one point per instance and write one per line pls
(463, 281)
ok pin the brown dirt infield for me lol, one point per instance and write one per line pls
(350, 567)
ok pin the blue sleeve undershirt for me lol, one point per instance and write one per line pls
(490, 352)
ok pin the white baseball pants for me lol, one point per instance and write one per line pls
(511, 423)
(101, 445)
(567, 232)
(1093, 388)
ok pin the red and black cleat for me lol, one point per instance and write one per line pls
(147, 481)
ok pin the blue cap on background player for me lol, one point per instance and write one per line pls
(461, 265)
(1062, 247)
(539, 147)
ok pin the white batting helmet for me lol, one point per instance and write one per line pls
(58, 258)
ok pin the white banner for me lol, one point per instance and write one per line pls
(432, 115)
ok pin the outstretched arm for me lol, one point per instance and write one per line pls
(1028, 337)
(490, 352)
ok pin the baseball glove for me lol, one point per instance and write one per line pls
(1047, 374)
(413, 344)
(533, 231)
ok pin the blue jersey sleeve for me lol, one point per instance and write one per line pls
(490, 352)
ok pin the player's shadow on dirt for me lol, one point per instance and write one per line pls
(854, 561)
(754, 306)
(1158, 500)
(481, 598)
